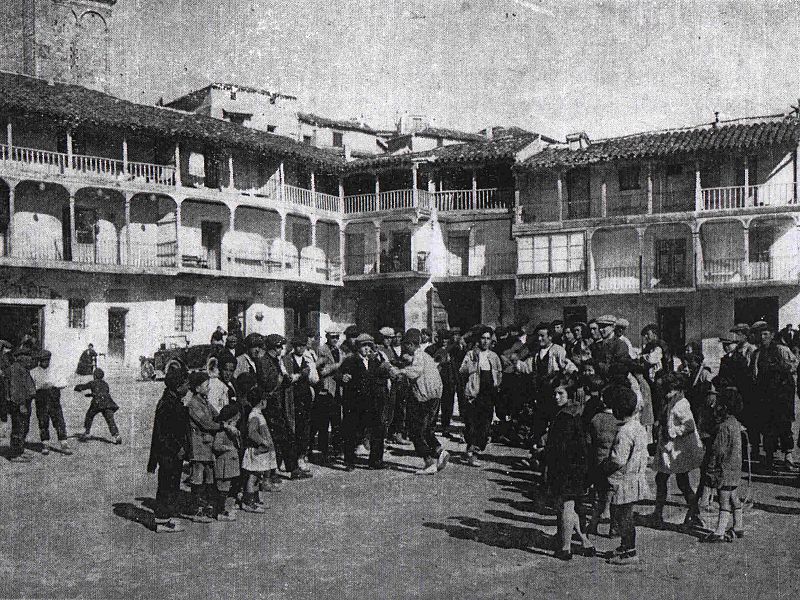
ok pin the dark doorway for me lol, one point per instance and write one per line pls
(750, 310)
(399, 258)
(116, 333)
(463, 304)
(301, 309)
(574, 314)
(211, 239)
(672, 325)
(237, 310)
(17, 320)
(382, 306)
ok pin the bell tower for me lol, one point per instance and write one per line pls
(64, 40)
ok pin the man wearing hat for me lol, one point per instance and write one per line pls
(48, 403)
(609, 349)
(297, 362)
(741, 332)
(426, 386)
(254, 350)
(364, 397)
(401, 392)
(349, 344)
(773, 367)
(327, 409)
(276, 383)
(619, 330)
(21, 393)
(733, 369)
(558, 331)
(456, 351)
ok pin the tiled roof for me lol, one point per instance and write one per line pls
(74, 105)
(735, 135)
(195, 98)
(500, 148)
(451, 134)
(312, 119)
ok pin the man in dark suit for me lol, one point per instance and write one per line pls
(364, 376)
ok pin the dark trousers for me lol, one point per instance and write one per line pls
(421, 423)
(447, 405)
(48, 410)
(282, 436)
(477, 420)
(399, 424)
(302, 424)
(326, 414)
(108, 415)
(355, 423)
(622, 515)
(20, 425)
(168, 491)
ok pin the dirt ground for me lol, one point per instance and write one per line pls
(77, 526)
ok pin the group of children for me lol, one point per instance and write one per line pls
(229, 450)
(597, 442)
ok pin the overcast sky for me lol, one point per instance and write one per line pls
(553, 66)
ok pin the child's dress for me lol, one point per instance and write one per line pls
(260, 454)
(629, 483)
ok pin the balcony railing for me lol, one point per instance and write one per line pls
(469, 200)
(150, 173)
(369, 263)
(618, 278)
(480, 264)
(101, 252)
(670, 201)
(627, 203)
(776, 268)
(551, 283)
(45, 161)
(724, 270)
(659, 278)
(766, 194)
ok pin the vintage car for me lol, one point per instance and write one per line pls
(194, 358)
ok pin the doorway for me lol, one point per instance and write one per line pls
(301, 310)
(17, 320)
(463, 304)
(672, 325)
(760, 308)
(211, 240)
(237, 310)
(116, 333)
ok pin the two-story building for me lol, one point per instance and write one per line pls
(693, 229)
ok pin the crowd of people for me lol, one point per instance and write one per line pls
(594, 411)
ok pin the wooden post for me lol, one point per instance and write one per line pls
(283, 233)
(746, 261)
(414, 191)
(178, 244)
(12, 187)
(125, 155)
(377, 225)
(281, 183)
(232, 217)
(603, 200)
(69, 150)
(230, 174)
(560, 190)
(178, 165)
(128, 258)
(474, 190)
(342, 240)
(746, 192)
(341, 195)
(698, 255)
(313, 220)
(9, 137)
(590, 256)
(72, 242)
(698, 192)
(649, 188)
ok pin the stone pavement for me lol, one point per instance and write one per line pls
(74, 526)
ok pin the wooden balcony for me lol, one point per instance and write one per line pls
(543, 284)
(766, 194)
(473, 200)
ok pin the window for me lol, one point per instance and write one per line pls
(77, 313)
(670, 268)
(184, 314)
(338, 139)
(629, 178)
(307, 140)
(558, 253)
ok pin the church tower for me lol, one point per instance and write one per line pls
(64, 40)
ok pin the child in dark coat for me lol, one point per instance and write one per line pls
(226, 461)
(723, 466)
(168, 448)
(102, 403)
(566, 458)
(602, 431)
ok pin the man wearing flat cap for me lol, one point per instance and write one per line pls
(297, 362)
(364, 396)
(327, 410)
(21, 394)
(741, 332)
(609, 349)
(773, 366)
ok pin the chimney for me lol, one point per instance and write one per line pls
(716, 118)
(489, 132)
(578, 141)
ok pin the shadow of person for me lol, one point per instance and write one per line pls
(134, 513)
(504, 514)
(497, 534)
